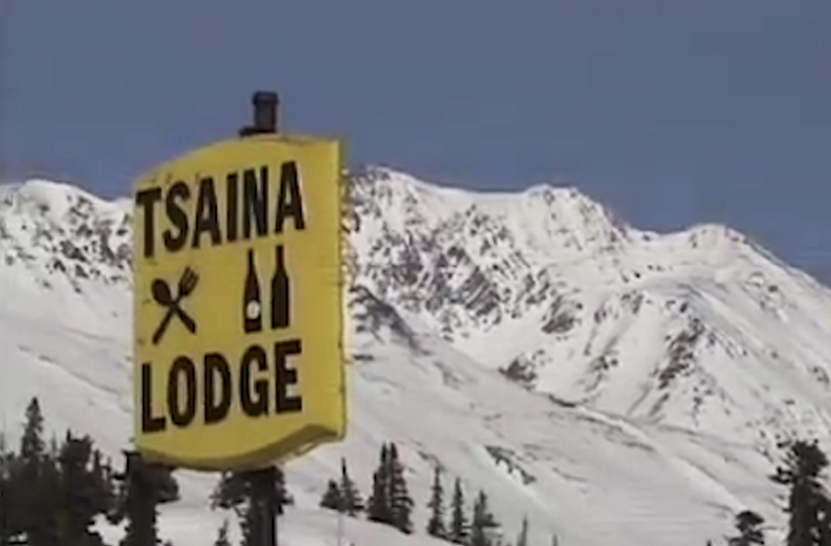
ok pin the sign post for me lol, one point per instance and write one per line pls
(238, 311)
(262, 481)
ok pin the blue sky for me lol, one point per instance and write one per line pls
(671, 112)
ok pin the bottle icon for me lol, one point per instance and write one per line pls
(251, 302)
(280, 294)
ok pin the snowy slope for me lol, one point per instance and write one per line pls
(700, 329)
(616, 386)
(299, 527)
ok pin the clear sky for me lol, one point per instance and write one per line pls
(670, 111)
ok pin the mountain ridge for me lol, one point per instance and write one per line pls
(572, 283)
(482, 265)
(529, 317)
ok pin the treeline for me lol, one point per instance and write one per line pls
(390, 503)
(52, 493)
(808, 504)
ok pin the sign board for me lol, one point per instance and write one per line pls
(238, 357)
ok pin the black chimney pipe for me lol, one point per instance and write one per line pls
(265, 114)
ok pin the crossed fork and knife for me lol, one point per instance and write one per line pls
(163, 296)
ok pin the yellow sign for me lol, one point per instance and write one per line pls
(238, 311)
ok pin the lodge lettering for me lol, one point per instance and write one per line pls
(250, 210)
(264, 386)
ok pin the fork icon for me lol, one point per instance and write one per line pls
(162, 295)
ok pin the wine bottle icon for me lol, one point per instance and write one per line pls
(251, 301)
(280, 292)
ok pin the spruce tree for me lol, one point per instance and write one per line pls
(825, 523)
(142, 487)
(482, 522)
(102, 483)
(284, 497)
(50, 530)
(522, 539)
(27, 473)
(5, 507)
(32, 445)
(222, 535)
(35, 482)
(7, 515)
(230, 492)
(52, 496)
(458, 532)
(331, 499)
(800, 472)
(401, 504)
(435, 525)
(749, 527)
(378, 508)
(234, 490)
(86, 490)
(353, 504)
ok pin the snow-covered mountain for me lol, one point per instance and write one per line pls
(702, 330)
(615, 385)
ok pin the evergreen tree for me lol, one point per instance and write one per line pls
(35, 483)
(234, 489)
(522, 539)
(50, 529)
(331, 499)
(482, 523)
(5, 508)
(142, 487)
(51, 496)
(800, 471)
(6, 504)
(825, 523)
(32, 446)
(102, 483)
(222, 535)
(284, 497)
(86, 490)
(379, 508)
(230, 492)
(353, 504)
(234, 492)
(401, 504)
(458, 532)
(435, 525)
(749, 526)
